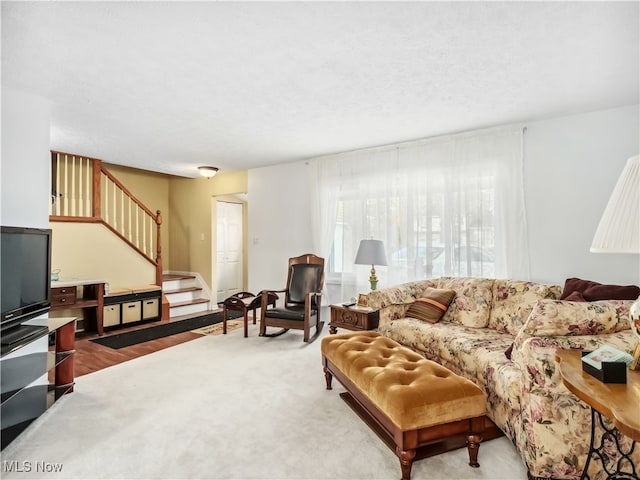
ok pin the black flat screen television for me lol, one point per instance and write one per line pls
(25, 274)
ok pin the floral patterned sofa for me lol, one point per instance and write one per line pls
(490, 320)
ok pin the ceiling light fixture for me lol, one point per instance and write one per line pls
(208, 172)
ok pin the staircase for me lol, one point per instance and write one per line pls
(83, 190)
(186, 295)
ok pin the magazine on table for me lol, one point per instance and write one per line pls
(606, 353)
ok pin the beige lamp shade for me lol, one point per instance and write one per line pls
(619, 228)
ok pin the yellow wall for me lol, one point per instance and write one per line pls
(192, 219)
(91, 250)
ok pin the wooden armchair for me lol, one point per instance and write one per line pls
(302, 299)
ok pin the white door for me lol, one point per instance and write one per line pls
(229, 265)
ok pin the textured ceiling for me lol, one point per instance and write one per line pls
(168, 86)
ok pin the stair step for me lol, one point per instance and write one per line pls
(185, 308)
(191, 302)
(171, 277)
(183, 290)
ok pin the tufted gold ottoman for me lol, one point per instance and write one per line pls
(417, 407)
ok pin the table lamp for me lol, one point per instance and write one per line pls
(371, 252)
(619, 228)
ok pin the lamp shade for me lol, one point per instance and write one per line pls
(371, 252)
(619, 228)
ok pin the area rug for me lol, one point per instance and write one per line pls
(217, 328)
(122, 340)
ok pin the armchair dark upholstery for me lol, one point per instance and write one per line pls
(302, 299)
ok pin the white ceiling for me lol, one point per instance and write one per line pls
(168, 86)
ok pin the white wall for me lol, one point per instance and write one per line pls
(570, 166)
(24, 168)
(279, 223)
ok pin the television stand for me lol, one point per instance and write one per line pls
(13, 337)
(34, 373)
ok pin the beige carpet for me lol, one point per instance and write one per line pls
(225, 407)
(217, 328)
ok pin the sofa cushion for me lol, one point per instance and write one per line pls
(472, 303)
(592, 291)
(513, 301)
(474, 353)
(403, 294)
(431, 306)
(562, 318)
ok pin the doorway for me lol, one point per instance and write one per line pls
(229, 266)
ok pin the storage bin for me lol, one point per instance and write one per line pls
(150, 308)
(131, 312)
(111, 315)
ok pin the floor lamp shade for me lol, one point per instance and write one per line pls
(619, 228)
(371, 252)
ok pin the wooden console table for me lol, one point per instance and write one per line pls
(618, 402)
(85, 294)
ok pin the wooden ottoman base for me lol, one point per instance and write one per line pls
(409, 444)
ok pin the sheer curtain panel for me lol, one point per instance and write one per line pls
(449, 206)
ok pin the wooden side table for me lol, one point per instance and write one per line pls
(618, 402)
(244, 302)
(352, 318)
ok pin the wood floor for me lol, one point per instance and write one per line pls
(91, 357)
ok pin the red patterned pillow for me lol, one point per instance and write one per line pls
(430, 307)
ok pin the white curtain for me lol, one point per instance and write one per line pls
(449, 206)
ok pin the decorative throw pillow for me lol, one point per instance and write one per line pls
(430, 307)
(574, 297)
(592, 291)
(565, 318)
(472, 304)
(513, 301)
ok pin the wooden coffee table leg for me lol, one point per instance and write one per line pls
(406, 461)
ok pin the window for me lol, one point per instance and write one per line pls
(452, 206)
(431, 234)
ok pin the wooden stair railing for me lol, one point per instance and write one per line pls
(83, 190)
